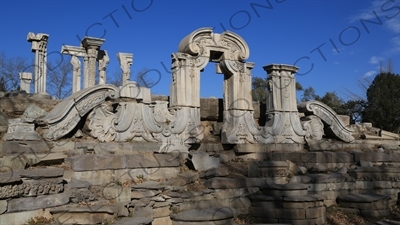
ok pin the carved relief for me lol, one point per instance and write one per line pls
(326, 114)
(66, 115)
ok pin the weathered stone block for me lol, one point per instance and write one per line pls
(83, 215)
(263, 212)
(372, 156)
(203, 162)
(316, 221)
(227, 156)
(151, 160)
(25, 204)
(3, 206)
(8, 176)
(23, 217)
(140, 221)
(225, 183)
(25, 147)
(234, 193)
(102, 177)
(204, 216)
(265, 201)
(367, 201)
(290, 213)
(317, 212)
(144, 194)
(189, 176)
(161, 212)
(41, 173)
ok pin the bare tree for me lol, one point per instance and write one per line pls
(59, 78)
(10, 69)
(115, 78)
(147, 78)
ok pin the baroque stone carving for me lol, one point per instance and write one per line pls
(136, 118)
(314, 127)
(145, 123)
(31, 189)
(328, 115)
(66, 115)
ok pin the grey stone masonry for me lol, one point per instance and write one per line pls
(48, 201)
(204, 216)
(375, 173)
(374, 205)
(112, 162)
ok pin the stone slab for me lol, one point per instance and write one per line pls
(134, 221)
(210, 214)
(25, 147)
(23, 217)
(203, 162)
(225, 183)
(362, 198)
(8, 177)
(107, 162)
(102, 177)
(259, 148)
(41, 202)
(37, 174)
(3, 206)
(372, 157)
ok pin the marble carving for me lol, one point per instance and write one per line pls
(134, 117)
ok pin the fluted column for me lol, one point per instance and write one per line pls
(39, 46)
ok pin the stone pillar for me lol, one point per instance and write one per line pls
(125, 61)
(76, 74)
(103, 62)
(75, 52)
(92, 46)
(283, 120)
(39, 46)
(25, 79)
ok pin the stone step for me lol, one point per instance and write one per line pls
(134, 221)
(375, 205)
(209, 216)
(83, 215)
(285, 190)
(112, 162)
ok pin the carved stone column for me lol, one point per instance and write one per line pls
(25, 80)
(103, 62)
(125, 61)
(39, 46)
(92, 46)
(185, 88)
(75, 52)
(284, 123)
(76, 74)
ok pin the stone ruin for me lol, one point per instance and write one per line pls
(120, 154)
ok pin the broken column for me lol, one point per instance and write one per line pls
(92, 46)
(39, 46)
(103, 62)
(125, 61)
(283, 119)
(25, 80)
(76, 74)
(75, 52)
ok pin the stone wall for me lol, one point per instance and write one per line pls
(86, 182)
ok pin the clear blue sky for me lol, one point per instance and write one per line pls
(328, 34)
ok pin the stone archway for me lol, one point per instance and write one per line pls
(229, 51)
